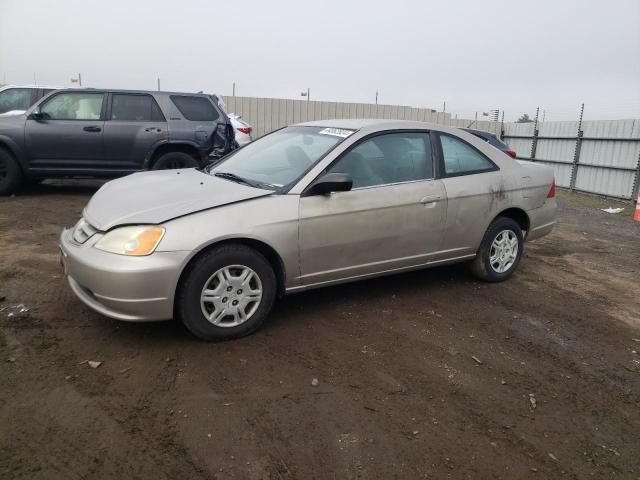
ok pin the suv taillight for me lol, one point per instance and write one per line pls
(552, 190)
(511, 153)
(245, 130)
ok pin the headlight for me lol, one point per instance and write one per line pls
(141, 240)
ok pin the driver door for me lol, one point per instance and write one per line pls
(392, 218)
(69, 132)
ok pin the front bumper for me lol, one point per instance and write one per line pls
(125, 288)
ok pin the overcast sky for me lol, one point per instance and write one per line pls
(475, 55)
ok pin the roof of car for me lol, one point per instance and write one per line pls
(370, 123)
(3, 87)
(118, 90)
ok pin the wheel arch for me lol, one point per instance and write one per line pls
(260, 246)
(13, 149)
(184, 147)
(518, 215)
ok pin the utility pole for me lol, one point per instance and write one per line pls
(444, 106)
(234, 89)
(79, 79)
(308, 94)
(158, 83)
(376, 97)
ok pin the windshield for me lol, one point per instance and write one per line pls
(281, 157)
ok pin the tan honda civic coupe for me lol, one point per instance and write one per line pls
(306, 206)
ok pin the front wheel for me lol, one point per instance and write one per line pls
(500, 251)
(226, 293)
(10, 174)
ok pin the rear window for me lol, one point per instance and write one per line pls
(139, 108)
(198, 109)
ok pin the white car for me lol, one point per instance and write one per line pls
(16, 99)
(242, 129)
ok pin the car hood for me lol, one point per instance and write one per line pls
(155, 197)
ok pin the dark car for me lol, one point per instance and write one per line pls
(110, 133)
(491, 139)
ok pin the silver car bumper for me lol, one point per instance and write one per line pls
(542, 219)
(125, 288)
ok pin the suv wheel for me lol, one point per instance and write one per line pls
(174, 160)
(500, 251)
(227, 293)
(10, 173)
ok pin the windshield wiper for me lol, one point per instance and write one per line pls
(252, 183)
(235, 178)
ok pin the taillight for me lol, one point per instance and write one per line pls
(511, 153)
(552, 190)
(245, 130)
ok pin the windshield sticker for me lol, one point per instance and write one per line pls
(336, 132)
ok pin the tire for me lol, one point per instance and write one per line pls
(10, 173)
(505, 260)
(174, 160)
(226, 287)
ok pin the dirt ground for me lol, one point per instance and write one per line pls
(554, 392)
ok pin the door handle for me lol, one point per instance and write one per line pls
(430, 199)
(152, 129)
(92, 129)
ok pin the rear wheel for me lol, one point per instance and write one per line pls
(226, 293)
(172, 160)
(10, 173)
(500, 251)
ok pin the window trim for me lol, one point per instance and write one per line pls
(427, 133)
(153, 100)
(204, 97)
(443, 172)
(53, 95)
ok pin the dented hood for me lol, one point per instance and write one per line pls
(158, 196)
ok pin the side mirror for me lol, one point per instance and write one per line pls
(330, 182)
(36, 114)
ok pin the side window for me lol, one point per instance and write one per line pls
(15, 99)
(388, 158)
(199, 109)
(73, 106)
(129, 107)
(461, 158)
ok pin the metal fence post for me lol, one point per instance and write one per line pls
(576, 153)
(534, 140)
(636, 182)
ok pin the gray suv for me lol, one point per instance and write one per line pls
(110, 133)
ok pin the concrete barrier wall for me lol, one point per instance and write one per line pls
(269, 114)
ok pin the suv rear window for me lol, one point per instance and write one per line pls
(198, 109)
(141, 108)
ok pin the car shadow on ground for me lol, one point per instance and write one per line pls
(319, 303)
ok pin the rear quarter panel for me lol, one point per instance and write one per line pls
(474, 201)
